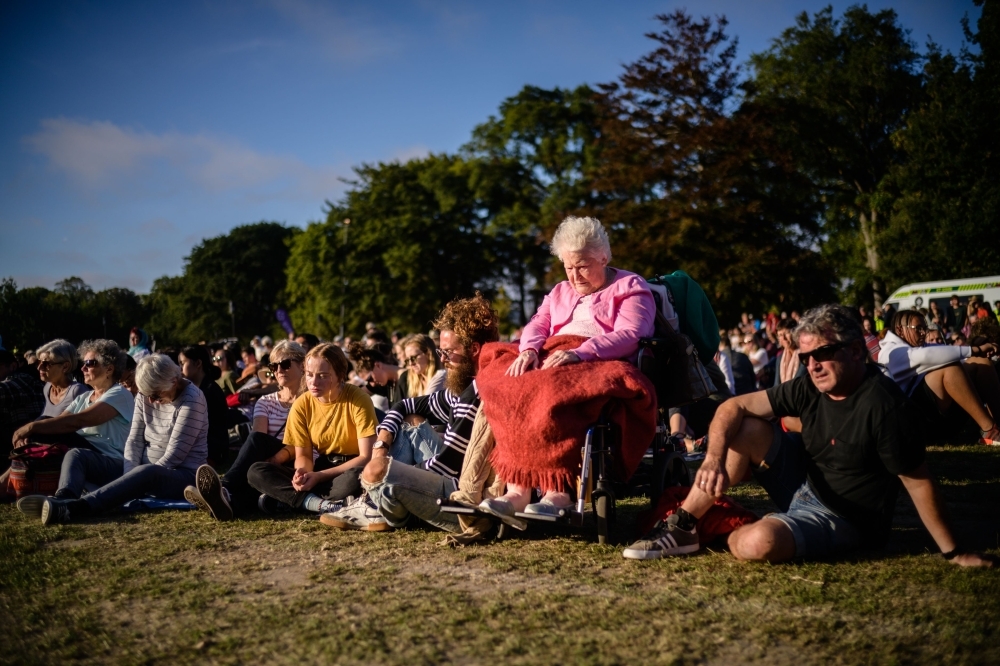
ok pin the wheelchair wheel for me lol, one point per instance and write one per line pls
(604, 512)
(678, 473)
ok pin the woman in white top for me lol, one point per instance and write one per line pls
(222, 497)
(56, 362)
(97, 422)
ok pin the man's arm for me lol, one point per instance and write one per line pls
(711, 476)
(926, 498)
(436, 408)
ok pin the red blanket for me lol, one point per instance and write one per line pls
(722, 519)
(540, 419)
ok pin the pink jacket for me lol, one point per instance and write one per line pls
(624, 310)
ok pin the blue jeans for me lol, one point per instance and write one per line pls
(819, 532)
(415, 445)
(406, 490)
(81, 466)
(141, 481)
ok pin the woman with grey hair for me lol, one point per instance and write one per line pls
(167, 443)
(610, 307)
(57, 361)
(96, 425)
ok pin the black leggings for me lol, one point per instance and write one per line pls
(258, 447)
(276, 481)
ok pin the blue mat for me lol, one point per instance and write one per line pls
(153, 504)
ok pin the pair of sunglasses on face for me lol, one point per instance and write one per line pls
(824, 353)
(284, 365)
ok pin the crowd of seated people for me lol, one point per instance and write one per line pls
(821, 408)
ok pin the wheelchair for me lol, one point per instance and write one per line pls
(663, 465)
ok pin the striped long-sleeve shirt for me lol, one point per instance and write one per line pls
(173, 435)
(443, 407)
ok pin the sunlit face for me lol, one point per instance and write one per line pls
(586, 271)
(451, 350)
(913, 330)
(416, 358)
(94, 370)
(320, 377)
(826, 375)
(290, 377)
(51, 370)
(378, 375)
(785, 338)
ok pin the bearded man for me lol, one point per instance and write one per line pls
(411, 467)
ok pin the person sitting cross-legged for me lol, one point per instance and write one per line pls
(836, 483)
(168, 441)
(410, 470)
(333, 418)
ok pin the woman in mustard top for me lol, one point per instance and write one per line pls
(332, 427)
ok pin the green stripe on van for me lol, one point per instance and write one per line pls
(947, 290)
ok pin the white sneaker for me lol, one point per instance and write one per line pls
(361, 514)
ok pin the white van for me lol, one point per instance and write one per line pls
(922, 294)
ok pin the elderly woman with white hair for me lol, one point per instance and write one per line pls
(610, 307)
(167, 443)
(57, 360)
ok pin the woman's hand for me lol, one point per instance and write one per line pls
(526, 360)
(303, 480)
(21, 434)
(558, 358)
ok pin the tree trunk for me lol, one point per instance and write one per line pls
(871, 254)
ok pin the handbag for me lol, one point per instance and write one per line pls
(35, 469)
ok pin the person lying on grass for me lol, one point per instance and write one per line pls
(836, 483)
(411, 467)
(168, 441)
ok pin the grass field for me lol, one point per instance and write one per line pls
(176, 588)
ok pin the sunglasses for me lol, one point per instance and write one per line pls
(284, 365)
(154, 397)
(91, 363)
(824, 353)
(412, 360)
(216, 359)
(445, 354)
(45, 364)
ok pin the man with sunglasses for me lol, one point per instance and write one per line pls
(836, 483)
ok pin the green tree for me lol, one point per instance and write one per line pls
(245, 267)
(415, 241)
(695, 180)
(839, 90)
(528, 168)
(947, 191)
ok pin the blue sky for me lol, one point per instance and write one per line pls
(129, 131)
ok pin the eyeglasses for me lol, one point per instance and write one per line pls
(284, 365)
(91, 363)
(919, 328)
(216, 359)
(824, 353)
(446, 354)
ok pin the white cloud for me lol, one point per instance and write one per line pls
(100, 155)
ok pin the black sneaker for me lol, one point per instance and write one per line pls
(208, 494)
(273, 507)
(54, 511)
(664, 540)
